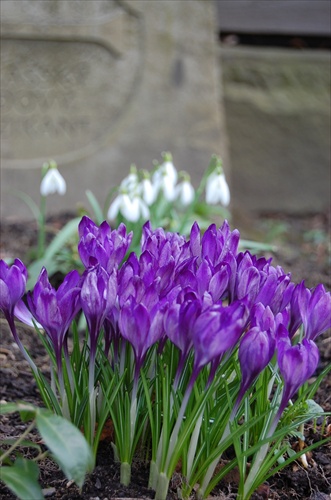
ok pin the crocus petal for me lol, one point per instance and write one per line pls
(23, 314)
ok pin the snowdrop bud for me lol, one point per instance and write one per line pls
(217, 189)
(52, 181)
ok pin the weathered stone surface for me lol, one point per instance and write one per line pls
(278, 109)
(100, 85)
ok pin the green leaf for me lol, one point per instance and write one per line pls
(25, 443)
(28, 201)
(257, 246)
(98, 215)
(22, 479)
(67, 444)
(21, 407)
(314, 409)
(54, 247)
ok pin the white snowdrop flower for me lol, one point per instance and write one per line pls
(116, 207)
(53, 182)
(139, 210)
(168, 187)
(147, 191)
(130, 182)
(164, 180)
(169, 170)
(185, 192)
(131, 208)
(217, 189)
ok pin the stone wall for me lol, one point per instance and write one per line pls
(277, 104)
(100, 85)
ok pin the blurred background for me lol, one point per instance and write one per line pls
(99, 85)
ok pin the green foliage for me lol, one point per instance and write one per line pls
(65, 442)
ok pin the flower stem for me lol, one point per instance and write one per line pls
(17, 442)
(125, 473)
(162, 487)
(12, 327)
(41, 227)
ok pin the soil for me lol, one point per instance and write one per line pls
(302, 247)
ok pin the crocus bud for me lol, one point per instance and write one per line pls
(296, 363)
(315, 309)
(12, 285)
(217, 330)
(98, 295)
(255, 352)
(141, 327)
(52, 181)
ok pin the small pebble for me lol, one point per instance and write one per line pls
(48, 492)
(98, 483)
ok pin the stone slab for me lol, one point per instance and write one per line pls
(301, 17)
(277, 104)
(100, 85)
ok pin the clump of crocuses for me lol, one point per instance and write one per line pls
(191, 348)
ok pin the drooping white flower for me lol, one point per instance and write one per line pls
(147, 191)
(132, 208)
(217, 189)
(53, 182)
(130, 182)
(165, 178)
(185, 192)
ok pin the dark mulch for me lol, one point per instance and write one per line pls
(303, 249)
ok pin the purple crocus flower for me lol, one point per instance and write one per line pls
(216, 331)
(296, 363)
(178, 324)
(276, 291)
(315, 310)
(247, 279)
(295, 320)
(12, 288)
(55, 309)
(101, 245)
(141, 326)
(98, 296)
(256, 349)
(12, 285)
(255, 352)
(217, 243)
(163, 244)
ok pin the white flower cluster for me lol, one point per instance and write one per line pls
(135, 196)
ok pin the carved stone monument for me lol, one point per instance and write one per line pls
(98, 85)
